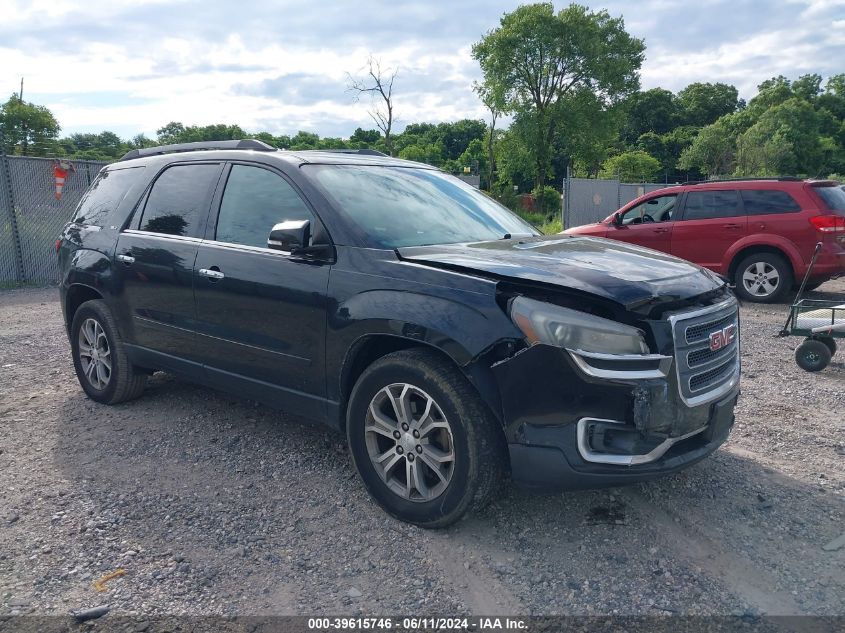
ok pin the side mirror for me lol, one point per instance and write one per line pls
(617, 219)
(290, 236)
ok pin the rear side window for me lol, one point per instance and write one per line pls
(703, 205)
(179, 200)
(254, 201)
(765, 201)
(834, 198)
(98, 206)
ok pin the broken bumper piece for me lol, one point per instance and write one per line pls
(569, 429)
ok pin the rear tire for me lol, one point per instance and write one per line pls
(763, 278)
(99, 357)
(449, 455)
(831, 344)
(812, 355)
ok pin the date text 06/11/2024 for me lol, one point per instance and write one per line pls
(417, 624)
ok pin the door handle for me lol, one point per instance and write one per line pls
(661, 230)
(731, 226)
(126, 259)
(212, 274)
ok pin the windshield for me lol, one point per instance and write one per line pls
(834, 198)
(404, 206)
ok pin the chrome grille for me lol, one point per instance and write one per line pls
(704, 374)
(701, 331)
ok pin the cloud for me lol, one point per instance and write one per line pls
(295, 88)
(282, 66)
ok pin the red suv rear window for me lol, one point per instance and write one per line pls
(834, 198)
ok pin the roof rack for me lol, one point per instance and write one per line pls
(250, 143)
(362, 152)
(705, 182)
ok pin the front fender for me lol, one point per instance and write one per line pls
(460, 330)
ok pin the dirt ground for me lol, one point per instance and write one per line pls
(214, 505)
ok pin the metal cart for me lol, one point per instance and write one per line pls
(819, 321)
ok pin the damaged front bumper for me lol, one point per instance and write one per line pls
(569, 428)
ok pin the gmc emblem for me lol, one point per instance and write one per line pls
(722, 338)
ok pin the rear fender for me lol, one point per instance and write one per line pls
(769, 241)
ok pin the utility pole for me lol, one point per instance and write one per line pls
(20, 95)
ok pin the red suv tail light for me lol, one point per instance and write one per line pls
(58, 245)
(828, 223)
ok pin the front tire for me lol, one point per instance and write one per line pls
(99, 357)
(812, 355)
(763, 278)
(426, 446)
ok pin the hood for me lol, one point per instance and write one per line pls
(626, 274)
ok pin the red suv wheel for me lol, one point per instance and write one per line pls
(763, 277)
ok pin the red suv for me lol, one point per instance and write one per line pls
(759, 233)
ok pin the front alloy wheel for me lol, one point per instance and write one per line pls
(425, 444)
(410, 442)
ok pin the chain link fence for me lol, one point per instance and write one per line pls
(590, 200)
(31, 217)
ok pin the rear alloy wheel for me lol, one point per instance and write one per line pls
(423, 441)
(763, 277)
(94, 354)
(99, 357)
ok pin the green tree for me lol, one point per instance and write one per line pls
(494, 102)
(586, 134)
(807, 87)
(170, 133)
(713, 151)
(457, 136)
(785, 140)
(140, 141)
(474, 156)
(28, 129)
(770, 93)
(514, 161)
(536, 58)
(633, 166)
(365, 137)
(653, 110)
(667, 148)
(103, 146)
(175, 132)
(701, 104)
(304, 140)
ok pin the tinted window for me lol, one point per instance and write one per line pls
(179, 199)
(762, 201)
(101, 201)
(657, 209)
(403, 206)
(255, 199)
(702, 205)
(834, 198)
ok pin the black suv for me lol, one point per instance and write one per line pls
(447, 338)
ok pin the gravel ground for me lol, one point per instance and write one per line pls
(217, 506)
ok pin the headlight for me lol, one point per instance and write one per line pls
(547, 323)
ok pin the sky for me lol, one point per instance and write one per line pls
(131, 66)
